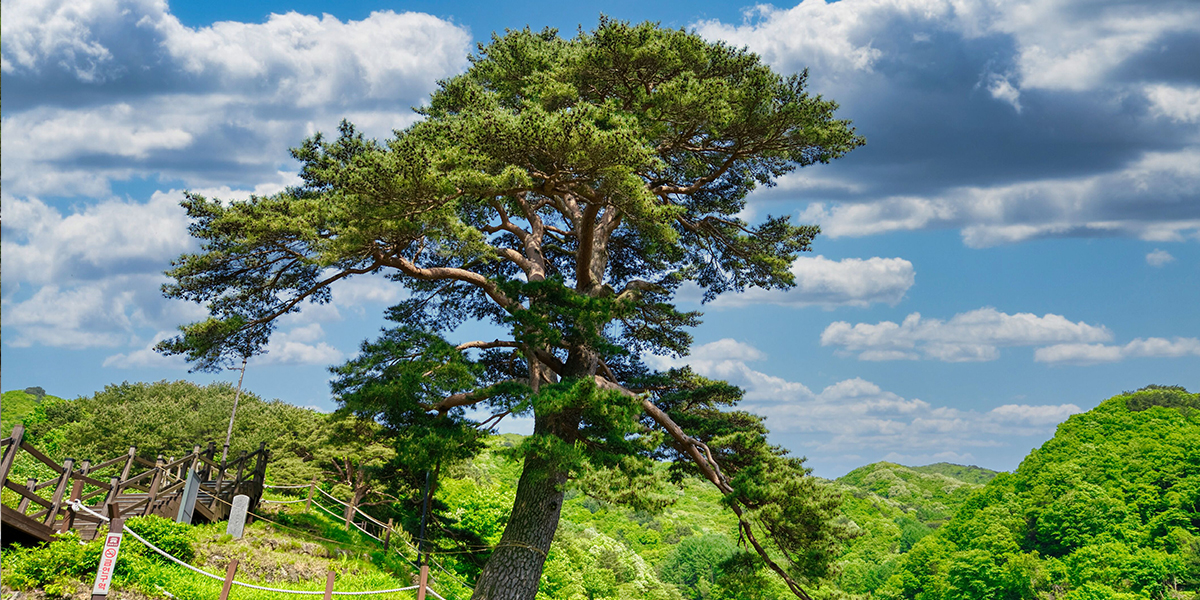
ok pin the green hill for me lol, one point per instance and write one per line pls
(17, 405)
(969, 474)
(894, 507)
(1107, 509)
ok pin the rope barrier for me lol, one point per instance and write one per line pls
(281, 501)
(331, 497)
(77, 505)
(286, 487)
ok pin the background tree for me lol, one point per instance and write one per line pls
(562, 190)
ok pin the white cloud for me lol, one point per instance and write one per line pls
(300, 346)
(967, 337)
(1159, 258)
(112, 237)
(1002, 89)
(1180, 104)
(1088, 354)
(824, 282)
(857, 415)
(147, 357)
(214, 105)
(1157, 183)
(879, 59)
(1060, 45)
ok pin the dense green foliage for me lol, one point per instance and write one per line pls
(1109, 508)
(167, 418)
(17, 405)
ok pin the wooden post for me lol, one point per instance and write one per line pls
(237, 480)
(77, 487)
(110, 502)
(10, 453)
(230, 571)
(24, 504)
(387, 535)
(128, 463)
(210, 453)
(312, 487)
(350, 508)
(76, 492)
(329, 585)
(59, 490)
(154, 485)
(424, 582)
(195, 460)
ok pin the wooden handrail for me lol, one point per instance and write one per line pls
(108, 463)
(42, 457)
(27, 494)
(10, 453)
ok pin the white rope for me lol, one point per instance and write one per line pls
(77, 505)
(282, 501)
(287, 487)
(331, 497)
(365, 531)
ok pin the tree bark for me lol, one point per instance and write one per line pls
(515, 567)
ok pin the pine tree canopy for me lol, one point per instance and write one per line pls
(564, 190)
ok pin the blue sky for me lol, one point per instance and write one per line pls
(1019, 240)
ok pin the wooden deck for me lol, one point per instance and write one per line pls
(113, 488)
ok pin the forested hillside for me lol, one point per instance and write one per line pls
(1107, 509)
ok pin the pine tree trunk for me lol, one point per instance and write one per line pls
(515, 567)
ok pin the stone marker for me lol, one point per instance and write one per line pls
(237, 515)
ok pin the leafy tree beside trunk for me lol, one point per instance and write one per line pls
(564, 190)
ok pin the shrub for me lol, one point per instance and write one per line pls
(173, 538)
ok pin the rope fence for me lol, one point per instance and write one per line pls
(381, 527)
(78, 506)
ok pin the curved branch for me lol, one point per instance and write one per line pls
(469, 398)
(711, 471)
(447, 273)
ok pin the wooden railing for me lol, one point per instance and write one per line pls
(127, 491)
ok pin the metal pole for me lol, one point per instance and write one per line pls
(236, 397)
(421, 562)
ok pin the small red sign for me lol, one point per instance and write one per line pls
(112, 544)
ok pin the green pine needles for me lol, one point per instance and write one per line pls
(563, 189)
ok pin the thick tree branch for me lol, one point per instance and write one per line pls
(469, 398)
(481, 345)
(488, 286)
(587, 238)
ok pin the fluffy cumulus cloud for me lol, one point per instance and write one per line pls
(977, 335)
(824, 282)
(855, 415)
(1006, 120)
(1089, 354)
(208, 106)
(105, 91)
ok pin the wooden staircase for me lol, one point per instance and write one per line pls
(158, 490)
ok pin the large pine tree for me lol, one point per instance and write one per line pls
(563, 189)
